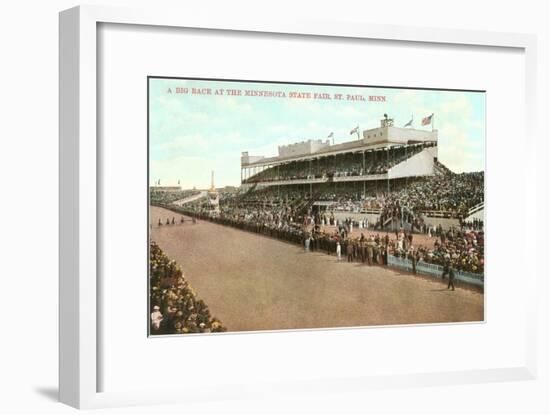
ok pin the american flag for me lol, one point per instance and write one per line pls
(355, 130)
(427, 120)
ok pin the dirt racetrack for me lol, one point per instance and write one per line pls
(253, 282)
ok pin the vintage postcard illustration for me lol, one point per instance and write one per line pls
(277, 206)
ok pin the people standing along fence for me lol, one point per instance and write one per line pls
(463, 249)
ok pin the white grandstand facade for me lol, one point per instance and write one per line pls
(380, 155)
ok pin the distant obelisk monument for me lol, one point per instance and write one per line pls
(213, 197)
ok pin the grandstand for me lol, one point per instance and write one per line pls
(391, 175)
(383, 154)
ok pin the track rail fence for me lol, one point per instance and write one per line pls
(434, 270)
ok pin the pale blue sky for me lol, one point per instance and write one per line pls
(190, 135)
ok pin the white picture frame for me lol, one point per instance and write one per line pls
(78, 345)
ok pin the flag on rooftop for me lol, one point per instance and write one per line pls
(427, 120)
(409, 124)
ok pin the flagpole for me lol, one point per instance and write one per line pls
(433, 122)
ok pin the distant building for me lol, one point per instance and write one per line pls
(153, 189)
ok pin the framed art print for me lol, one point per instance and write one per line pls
(227, 223)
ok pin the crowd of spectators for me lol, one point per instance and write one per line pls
(464, 249)
(451, 195)
(276, 222)
(346, 165)
(473, 224)
(461, 248)
(175, 308)
(454, 193)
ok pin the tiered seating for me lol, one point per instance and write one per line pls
(345, 165)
